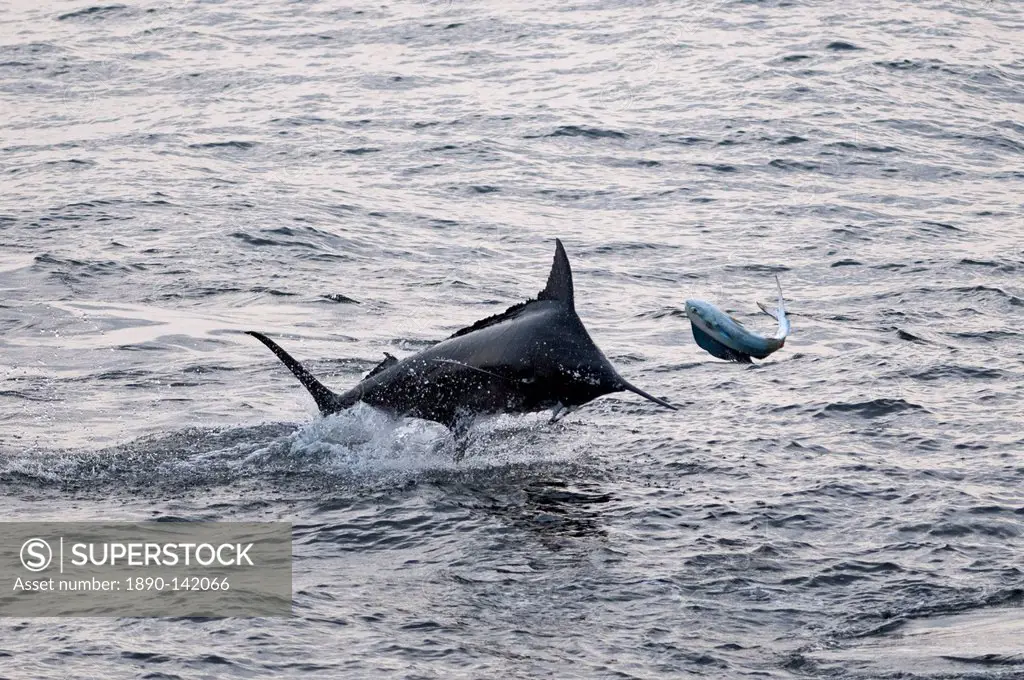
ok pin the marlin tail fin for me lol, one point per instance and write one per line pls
(326, 400)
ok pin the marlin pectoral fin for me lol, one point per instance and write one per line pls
(471, 368)
(560, 411)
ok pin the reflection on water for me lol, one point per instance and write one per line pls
(368, 179)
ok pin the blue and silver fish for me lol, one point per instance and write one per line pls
(726, 338)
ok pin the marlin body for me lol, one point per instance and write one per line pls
(535, 356)
(726, 338)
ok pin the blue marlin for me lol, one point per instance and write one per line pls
(534, 356)
(726, 338)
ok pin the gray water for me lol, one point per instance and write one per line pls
(371, 177)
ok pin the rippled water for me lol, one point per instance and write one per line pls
(372, 177)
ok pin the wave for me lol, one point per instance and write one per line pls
(361, 446)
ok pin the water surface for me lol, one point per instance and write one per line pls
(366, 178)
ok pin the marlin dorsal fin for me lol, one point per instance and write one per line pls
(559, 280)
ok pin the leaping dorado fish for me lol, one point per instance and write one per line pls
(726, 338)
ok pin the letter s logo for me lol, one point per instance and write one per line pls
(36, 554)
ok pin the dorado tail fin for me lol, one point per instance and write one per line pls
(636, 390)
(770, 312)
(779, 314)
(326, 400)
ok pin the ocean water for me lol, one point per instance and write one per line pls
(355, 178)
